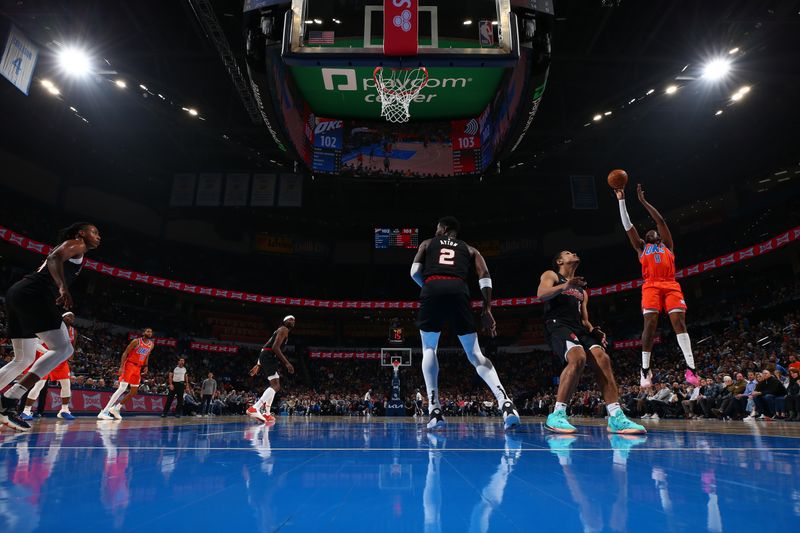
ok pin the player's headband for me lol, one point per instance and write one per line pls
(68, 313)
(288, 317)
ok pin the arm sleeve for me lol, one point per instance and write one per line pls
(623, 214)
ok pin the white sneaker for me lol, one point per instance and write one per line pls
(748, 418)
(646, 381)
(437, 420)
(103, 415)
(645, 416)
(655, 417)
(114, 411)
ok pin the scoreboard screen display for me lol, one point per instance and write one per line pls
(386, 238)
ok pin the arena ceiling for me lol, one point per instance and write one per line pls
(604, 57)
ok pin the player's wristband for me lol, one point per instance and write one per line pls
(623, 214)
(484, 283)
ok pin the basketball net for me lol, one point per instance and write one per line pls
(396, 366)
(396, 88)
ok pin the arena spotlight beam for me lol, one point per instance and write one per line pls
(74, 61)
(716, 69)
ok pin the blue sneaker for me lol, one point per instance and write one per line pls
(619, 423)
(510, 416)
(25, 416)
(622, 445)
(65, 415)
(557, 422)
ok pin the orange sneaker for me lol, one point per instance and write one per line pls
(253, 412)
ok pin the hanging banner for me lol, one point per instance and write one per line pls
(290, 190)
(345, 355)
(236, 190)
(263, 192)
(209, 188)
(19, 60)
(632, 343)
(400, 27)
(182, 190)
(159, 341)
(744, 254)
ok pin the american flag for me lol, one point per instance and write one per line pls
(320, 37)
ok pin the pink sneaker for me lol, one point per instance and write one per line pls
(691, 378)
(646, 380)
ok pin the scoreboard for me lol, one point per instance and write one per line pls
(386, 238)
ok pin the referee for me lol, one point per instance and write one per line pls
(177, 380)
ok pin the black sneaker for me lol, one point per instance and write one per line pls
(437, 420)
(9, 417)
(510, 415)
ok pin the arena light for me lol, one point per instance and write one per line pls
(317, 21)
(607, 113)
(467, 22)
(192, 111)
(718, 113)
(73, 109)
(53, 90)
(47, 84)
(733, 50)
(120, 83)
(716, 69)
(651, 91)
(672, 89)
(597, 117)
(142, 87)
(74, 61)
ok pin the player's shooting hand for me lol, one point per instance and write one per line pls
(64, 298)
(254, 370)
(290, 368)
(620, 194)
(576, 283)
(489, 324)
(640, 193)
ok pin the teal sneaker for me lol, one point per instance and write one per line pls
(558, 423)
(619, 423)
(622, 445)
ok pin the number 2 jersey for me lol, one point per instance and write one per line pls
(447, 257)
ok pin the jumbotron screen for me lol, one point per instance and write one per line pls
(386, 238)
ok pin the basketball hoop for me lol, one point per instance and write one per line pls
(396, 366)
(396, 88)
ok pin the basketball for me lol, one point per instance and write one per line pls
(617, 179)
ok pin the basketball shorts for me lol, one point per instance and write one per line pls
(269, 364)
(662, 296)
(30, 309)
(564, 337)
(60, 372)
(132, 374)
(446, 301)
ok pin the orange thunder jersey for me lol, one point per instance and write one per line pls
(140, 351)
(658, 263)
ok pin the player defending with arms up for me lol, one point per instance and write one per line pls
(133, 366)
(660, 291)
(270, 358)
(441, 267)
(572, 336)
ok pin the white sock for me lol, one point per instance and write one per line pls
(33, 394)
(560, 406)
(430, 368)
(15, 392)
(686, 348)
(267, 398)
(484, 367)
(116, 396)
(612, 408)
(645, 361)
(28, 410)
(65, 408)
(24, 355)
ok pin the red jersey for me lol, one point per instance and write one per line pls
(140, 351)
(658, 263)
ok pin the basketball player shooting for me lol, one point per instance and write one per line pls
(660, 292)
(270, 358)
(440, 268)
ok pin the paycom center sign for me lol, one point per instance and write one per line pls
(349, 92)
